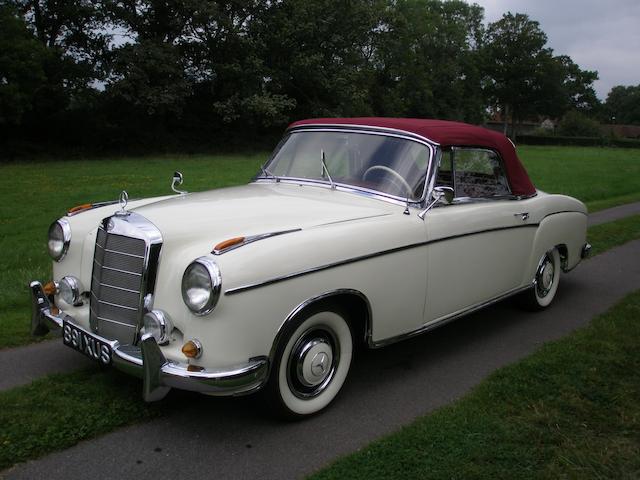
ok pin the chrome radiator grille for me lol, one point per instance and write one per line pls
(123, 274)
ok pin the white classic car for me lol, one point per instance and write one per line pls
(360, 230)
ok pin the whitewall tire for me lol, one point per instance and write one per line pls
(311, 363)
(545, 284)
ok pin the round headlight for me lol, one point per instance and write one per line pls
(201, 284)
(159, 325)
(59, 238)
(69, 289)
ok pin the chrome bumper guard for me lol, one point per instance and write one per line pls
(147, 361)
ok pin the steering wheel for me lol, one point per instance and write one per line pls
(392, 172)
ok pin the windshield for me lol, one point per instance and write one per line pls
(390, 165)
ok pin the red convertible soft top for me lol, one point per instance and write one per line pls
(447, 134)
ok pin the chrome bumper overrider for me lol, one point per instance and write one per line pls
(147, 361)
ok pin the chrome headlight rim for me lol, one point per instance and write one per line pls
(66, 238)
(214, 287)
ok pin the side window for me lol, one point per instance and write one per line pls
(445, 170)
(478, 173)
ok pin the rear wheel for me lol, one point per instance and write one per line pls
(545, 283)
(311, 363)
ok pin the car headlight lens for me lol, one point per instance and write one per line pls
(59, 238)
(69, 290)
(159, 325)
(201, 284)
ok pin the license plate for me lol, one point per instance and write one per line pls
(86, 343)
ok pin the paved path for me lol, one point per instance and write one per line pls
(21, 365)
(387, 388)
(615, 213)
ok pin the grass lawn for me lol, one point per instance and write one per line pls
(33, 194)
(61, 414)
(600, 177)
(570, 410)
(56, 412)
(608, 235)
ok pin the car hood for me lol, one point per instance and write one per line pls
(257, 208)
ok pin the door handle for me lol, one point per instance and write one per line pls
(523, 216)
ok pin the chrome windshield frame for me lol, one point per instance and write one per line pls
(386, 132)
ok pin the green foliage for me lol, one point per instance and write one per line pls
(539, 138)
(623, 105)
(22, 60)
(113, 75)
(576, 124)
(524, 78)
(570, 410)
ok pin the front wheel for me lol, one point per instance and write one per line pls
(545, 284)
(311, 364)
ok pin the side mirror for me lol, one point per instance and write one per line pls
(444, 192)
(177, 180)
(437, 194)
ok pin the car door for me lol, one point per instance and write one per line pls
(477, 246)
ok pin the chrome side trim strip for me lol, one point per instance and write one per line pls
(254, 238)
(339, 263)
(444, 320)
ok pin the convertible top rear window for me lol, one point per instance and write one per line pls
(391, 165)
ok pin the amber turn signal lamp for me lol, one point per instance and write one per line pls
(79, 208)
(228, 243)
(50, 288)
(192, 349)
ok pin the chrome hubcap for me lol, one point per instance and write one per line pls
(312, 363)
(544, 277)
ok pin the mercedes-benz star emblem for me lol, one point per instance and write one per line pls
(124, 199)
(319, 364)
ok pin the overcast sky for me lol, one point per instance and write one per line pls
(602, 35)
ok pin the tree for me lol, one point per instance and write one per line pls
(426, 60)
(319, 54)
(524, 78)
(22, 60)
(623, 105)
(514, 54)
(576, 124)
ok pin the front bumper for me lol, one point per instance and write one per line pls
(147, 361)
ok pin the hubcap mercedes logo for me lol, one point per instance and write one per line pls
(319, 364)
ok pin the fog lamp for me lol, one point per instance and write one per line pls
(159, 325)
(69, 290)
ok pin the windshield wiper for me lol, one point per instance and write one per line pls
(326, 170)
(267, 173)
